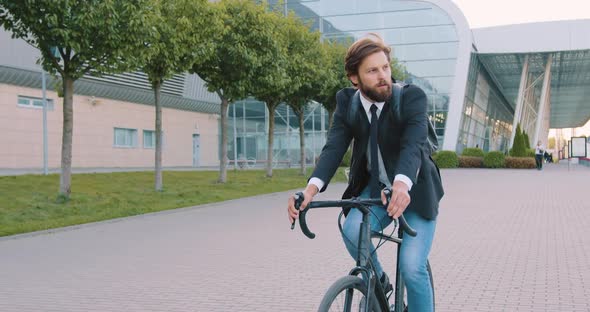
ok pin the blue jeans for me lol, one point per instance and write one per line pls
(413, 252)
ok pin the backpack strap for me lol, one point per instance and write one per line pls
(396, 105)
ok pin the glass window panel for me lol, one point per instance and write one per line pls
(378, 19)
(125, 137)
(421, 34)
(440, 119)
(431, 68)
(425, 51)
(23, 101)
(38, 103)
(336, 7)
(432, 84)
(149, 139)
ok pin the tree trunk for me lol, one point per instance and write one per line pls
(66, 143)
(158, 134)
(302, 143)
(271, 127)
(223, 156)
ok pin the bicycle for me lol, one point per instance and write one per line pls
(341, 295)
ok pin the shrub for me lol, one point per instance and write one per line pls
(518, 148)
(446, 159)
(346, 159)
(530, 152)
(527, 143)
(470, 162)
(520, 163)
(472, 151)
(494, 159)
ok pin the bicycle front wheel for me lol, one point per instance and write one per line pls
(347, 294)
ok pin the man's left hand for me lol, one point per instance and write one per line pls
(400, 199)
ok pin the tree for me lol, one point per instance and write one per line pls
(334, 76)
(304, 65)
(239, 58)
(518, 148)
(273, 84)
(185, 31)
(527, 143)
(91, 37)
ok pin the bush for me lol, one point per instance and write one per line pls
(520, 163)
(470, 162)
(446, 159)
(518, 148)
(472, 151)
(346, 159)
(494, 159)
(527, 143)
(530, 152)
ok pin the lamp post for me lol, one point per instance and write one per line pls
(43, 87)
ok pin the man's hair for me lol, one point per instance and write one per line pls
(362, 48)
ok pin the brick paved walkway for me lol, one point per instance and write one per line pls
(507, 240)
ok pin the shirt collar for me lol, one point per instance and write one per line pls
(367, 104)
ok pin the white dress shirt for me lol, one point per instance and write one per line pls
(382, 174)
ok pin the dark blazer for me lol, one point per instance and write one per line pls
(403, 147)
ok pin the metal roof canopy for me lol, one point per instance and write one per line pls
(502, 51)
(570, 82)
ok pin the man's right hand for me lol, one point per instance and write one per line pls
(308, 194)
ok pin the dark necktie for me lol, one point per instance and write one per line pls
(374, 181)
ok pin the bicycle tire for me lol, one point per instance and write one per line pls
(331, 301)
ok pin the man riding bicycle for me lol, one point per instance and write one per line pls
(365, 114)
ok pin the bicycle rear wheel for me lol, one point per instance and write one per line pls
(347, 294)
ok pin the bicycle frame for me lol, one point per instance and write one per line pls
(364, 266)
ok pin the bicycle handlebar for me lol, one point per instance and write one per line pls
(358, 203)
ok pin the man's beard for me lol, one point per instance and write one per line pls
(376, 94)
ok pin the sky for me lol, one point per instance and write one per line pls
(487, 13)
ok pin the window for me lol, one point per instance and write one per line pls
(31, 102)
(149, 139)
(125, 137)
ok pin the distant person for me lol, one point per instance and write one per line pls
(539, 151)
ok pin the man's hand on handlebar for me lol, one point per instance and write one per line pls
(400, 199)
(308, 194)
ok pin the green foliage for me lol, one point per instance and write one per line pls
(334, 75)
(470, 162)
(346, 159)
(530, 152)
(520, 163)
(494, 159)
(184, 34)
(527, 143)
(242, 56)
(32, 204)
(518, 148)
(91, 36)
(472, 151)
(446, 159)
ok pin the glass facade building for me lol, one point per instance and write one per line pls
(487, 117)
(423, 39)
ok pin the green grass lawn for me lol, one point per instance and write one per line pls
(30, 202)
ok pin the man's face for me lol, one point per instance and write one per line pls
(374, 77)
